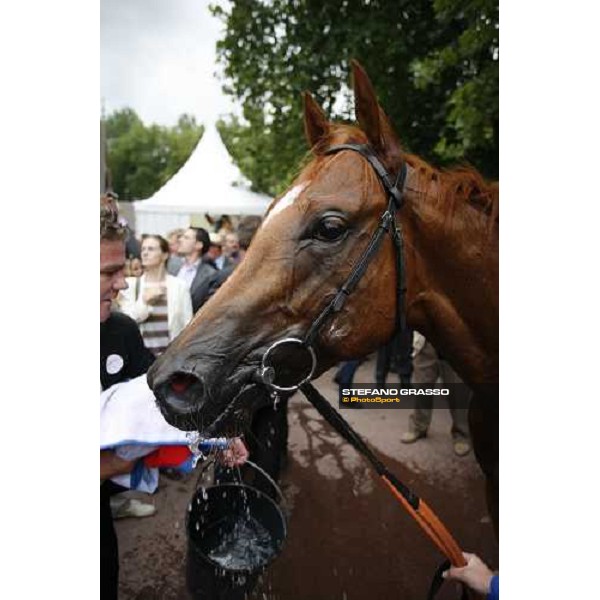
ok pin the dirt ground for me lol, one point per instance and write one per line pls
(348, 538)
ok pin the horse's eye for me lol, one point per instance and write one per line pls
(330, 229)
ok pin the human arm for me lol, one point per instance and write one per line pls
(475, 574)
(111, 464)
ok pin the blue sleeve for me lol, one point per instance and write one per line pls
(494, 593)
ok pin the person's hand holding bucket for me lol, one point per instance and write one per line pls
(235, 455)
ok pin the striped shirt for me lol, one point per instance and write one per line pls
(155, 329)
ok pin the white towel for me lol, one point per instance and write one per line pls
(129, 415)
(131, 423)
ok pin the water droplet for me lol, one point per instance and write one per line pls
(275, 397)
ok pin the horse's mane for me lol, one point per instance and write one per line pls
(461, 185)
(453, 187)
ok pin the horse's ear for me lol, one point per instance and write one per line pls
(370, 116)
(316, 125)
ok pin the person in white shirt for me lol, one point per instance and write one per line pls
(159, 302)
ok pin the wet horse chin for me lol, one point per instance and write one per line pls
(220, 416)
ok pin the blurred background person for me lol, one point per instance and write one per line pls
(173, 239)
(230, 252)
(136, 268)
(157, 301)
(214, 249)
(222, 225)
(127, 268)
(429, 368)
(174, 261)
(396, 355)
(195, 271)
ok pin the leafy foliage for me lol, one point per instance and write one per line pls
(471, 127)
(433, 64)
(143, 158)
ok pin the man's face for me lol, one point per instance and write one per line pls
(231, 244)
(112, 274)
(214, 252)
(188, 243)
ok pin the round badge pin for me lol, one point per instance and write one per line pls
(114, 363)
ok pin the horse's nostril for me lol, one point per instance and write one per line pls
(182, 393)
(180, 382)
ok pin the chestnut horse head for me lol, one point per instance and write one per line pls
(309, 244)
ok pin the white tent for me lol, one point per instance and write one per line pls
(209, 182)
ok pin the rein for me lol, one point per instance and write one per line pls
(415, 506)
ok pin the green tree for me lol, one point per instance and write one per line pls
(472, 110)
(273, 50)
(143, 158)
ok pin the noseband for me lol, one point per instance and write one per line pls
(387, 224)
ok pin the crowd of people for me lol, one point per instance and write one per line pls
(173, 277)
(151, 287)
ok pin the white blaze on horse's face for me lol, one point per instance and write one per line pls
(287, 200)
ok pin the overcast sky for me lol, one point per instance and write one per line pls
(158, 57)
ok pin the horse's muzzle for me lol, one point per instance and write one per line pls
(180, 398)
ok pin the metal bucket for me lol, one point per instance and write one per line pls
(234, 532)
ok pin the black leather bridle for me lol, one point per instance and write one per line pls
(416, 507)
(387, 224)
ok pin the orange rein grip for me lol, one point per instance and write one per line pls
(427, 527)
(432, 526)
(455, 554)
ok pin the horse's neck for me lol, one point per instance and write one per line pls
(452, 290)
